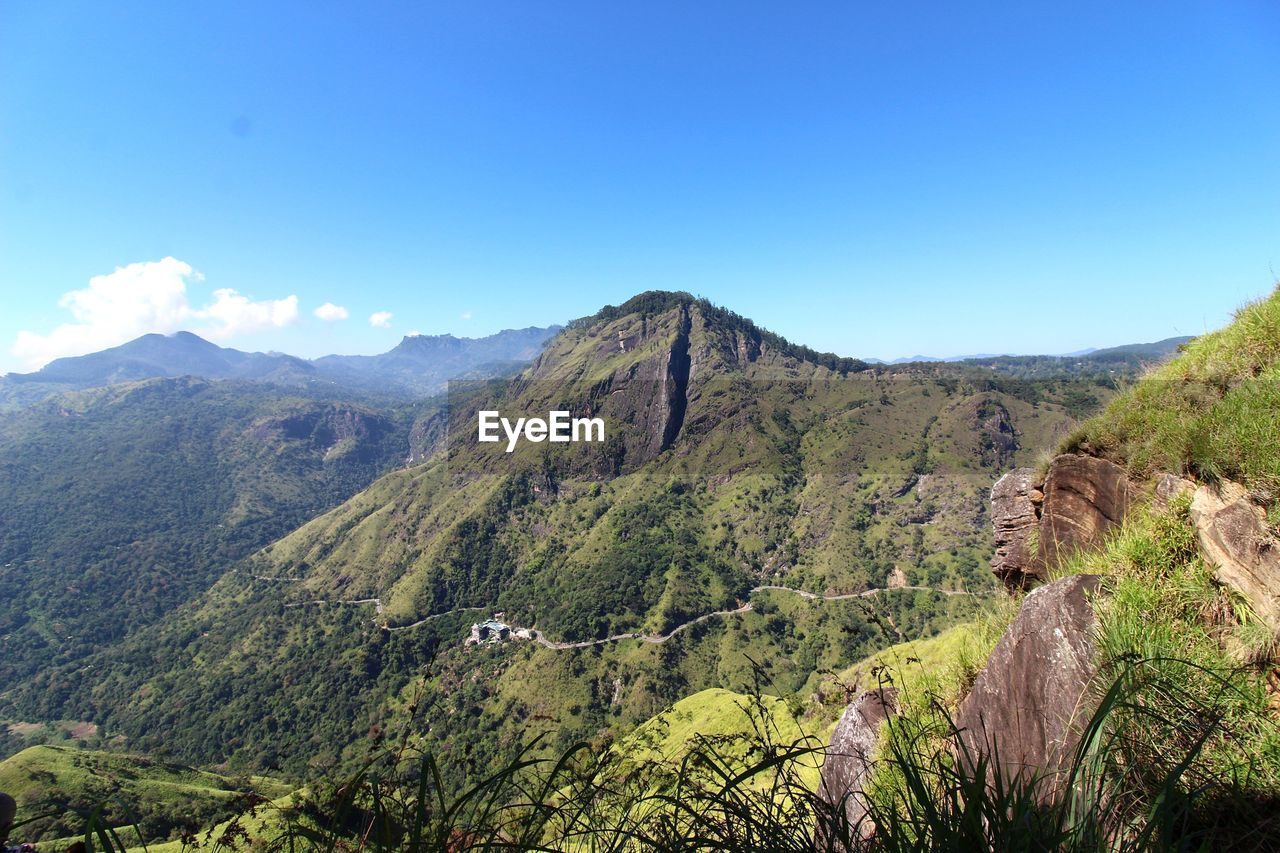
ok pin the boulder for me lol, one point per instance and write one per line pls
(8, 809)
(1030, 703)
(1235, 539)
(1084, 497)
(1014, 516)
(849, 762)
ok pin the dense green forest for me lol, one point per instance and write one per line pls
(121, 504)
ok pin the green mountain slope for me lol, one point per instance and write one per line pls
(161, 799)
(122, 503)
(735, 462)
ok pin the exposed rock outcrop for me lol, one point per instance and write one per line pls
(1235, 539)
(338, 428)
(998, 440)
(1084, 497)
(1030, 703)
(1038, 524)
(849, 762)
(1016, 521)
(644, 395)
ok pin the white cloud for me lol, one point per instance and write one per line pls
(380, 319)
(466, 315)
(331, 313)
(238, 314)
(150, 296)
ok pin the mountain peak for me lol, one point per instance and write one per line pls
(739, 336)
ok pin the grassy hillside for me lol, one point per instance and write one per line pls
(1185, 749)
(1211, 413)
(162, 800)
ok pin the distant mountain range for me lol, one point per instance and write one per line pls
(1156, 349)
(417, 367)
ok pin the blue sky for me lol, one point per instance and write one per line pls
(872, 179)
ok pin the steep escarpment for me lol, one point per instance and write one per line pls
(677, 381)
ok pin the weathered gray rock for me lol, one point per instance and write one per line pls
(849, 762)
(1029, 705)
(8, 808)
(1170, 487)
(1236, 541)
(1084, 497)
(1015, 520)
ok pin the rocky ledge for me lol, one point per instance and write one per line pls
(1041, 521)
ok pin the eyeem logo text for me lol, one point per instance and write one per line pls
(558, 427)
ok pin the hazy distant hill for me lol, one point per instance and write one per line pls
(417, 367)
(1122, 362)
(420, 365)
(180, 354)
(1164, 349)
(1071, 362)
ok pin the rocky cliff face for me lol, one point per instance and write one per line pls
(634, 371)
(1016, 519)
(1041, 521)
(998, 440)
(1084, 499)
(1026, 711)
(336, 429)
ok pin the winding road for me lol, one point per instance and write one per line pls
(813, 596)
(376, 602)
(539, 638)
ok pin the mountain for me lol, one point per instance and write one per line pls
(1158, 350)
(179, 354)
(151, 356)
(753, 501)
(418, 367)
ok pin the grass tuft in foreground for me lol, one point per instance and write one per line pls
(756, 793)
